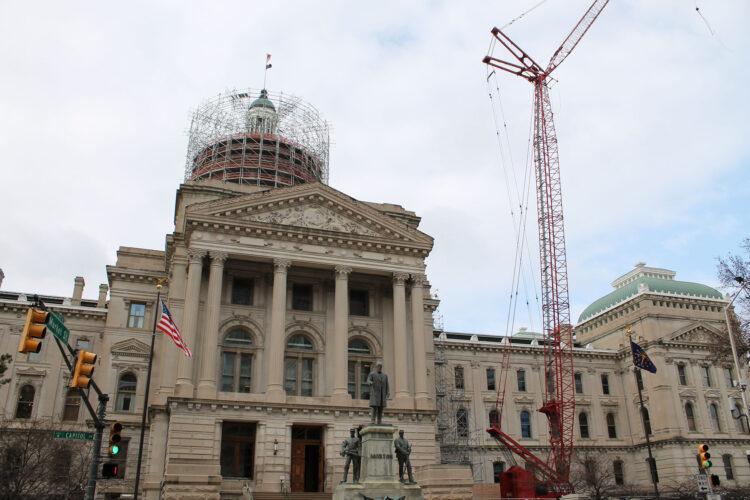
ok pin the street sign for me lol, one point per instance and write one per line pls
(702, 483)
(73, 435)
(56, 326)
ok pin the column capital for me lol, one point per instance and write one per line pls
(281, 264)
(400, 278)
(196, 255)
(218, 258)
(342, 271)
(418, 279)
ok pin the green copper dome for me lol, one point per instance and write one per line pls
(656, 285)
(263, 101)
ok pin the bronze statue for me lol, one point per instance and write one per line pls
(379, 392)
(352, 451)
(403, 450)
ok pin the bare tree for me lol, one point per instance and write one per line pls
(729, 269)
(593, 473)
(35, 465)
(5, 360)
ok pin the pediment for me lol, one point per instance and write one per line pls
(311, 208)
(695, 333)
(131, 347)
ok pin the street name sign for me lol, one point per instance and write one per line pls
(56, 326)
(73, 435)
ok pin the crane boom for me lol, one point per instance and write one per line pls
(559, 400)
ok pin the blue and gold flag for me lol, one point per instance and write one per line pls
(641, 359)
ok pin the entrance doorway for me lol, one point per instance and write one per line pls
(307, 459)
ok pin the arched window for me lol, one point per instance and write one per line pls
(583, 425)
(494, 418)
(690, 415)
(525, 424)
(25, 401)
(298, 366)
(462, 423)
(360, 366)
(611, 427)
(715, 417)
(72, 405)
(237, 361)
(126, 392)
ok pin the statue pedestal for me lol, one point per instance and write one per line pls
(377, 477)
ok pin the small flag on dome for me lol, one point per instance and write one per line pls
(268, 59)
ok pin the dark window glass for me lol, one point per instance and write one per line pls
(578, 378)
(126, 392)
(715, 417)
(583, 425)
(462, 423)
(25, 402)
(237, 449)
(494, 418)
(72, 405)
(681, 374)
(727, 459)
(611, 427)
(490, 379)
(459, 377)
(242, 291)
(706, 376)
(497, 469)
(690, 416)
(298, 367)
(521, 378)
(359, 303)
(302, 297)
(605, 383)
(237, 362)
(525, 424)
(617, 469)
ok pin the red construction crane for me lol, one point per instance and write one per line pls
(559, 402)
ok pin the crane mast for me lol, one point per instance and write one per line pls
(559, 400)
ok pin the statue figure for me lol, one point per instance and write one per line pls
(403, 450)
(351, 450)
(379, 392)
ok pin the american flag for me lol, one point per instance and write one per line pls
(166, 325)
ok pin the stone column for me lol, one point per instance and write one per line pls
(184, 386)
(275, 357)
(417, 327)
(167, 352)
(400, 348)
(207, 384)
(341, 335)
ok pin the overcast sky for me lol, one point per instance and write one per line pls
(651, 112)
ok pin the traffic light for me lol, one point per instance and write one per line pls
(109, 469)
(84, 369)
(115, 429)
(705, 456)
(32, 330)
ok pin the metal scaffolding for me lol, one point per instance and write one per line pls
(258, 137)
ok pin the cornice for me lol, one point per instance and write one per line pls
(135, 275)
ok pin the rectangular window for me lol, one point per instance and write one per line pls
(727, 459)
(579, 383)
(298, 376)
(617, 469)
(237, 449)
(459, 377)
(359, 303)
(706, 376)
(490, 379)
(605, 383)
(137, 315)
(729, 377)
(521, 379)
(302, 297)
(242, 291)
(497, 469)
(681, 374)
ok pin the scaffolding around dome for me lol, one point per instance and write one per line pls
(258, 137)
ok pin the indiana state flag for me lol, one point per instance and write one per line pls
(640, 359)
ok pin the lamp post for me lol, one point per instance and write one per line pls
(730, 330)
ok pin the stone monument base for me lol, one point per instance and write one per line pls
(377, 490)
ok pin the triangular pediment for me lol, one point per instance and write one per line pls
(312, 208)
(695, 333)
(131, 347)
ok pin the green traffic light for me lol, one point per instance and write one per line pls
(114, 449)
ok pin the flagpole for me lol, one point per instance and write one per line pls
(651, 460)
(148, 384)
